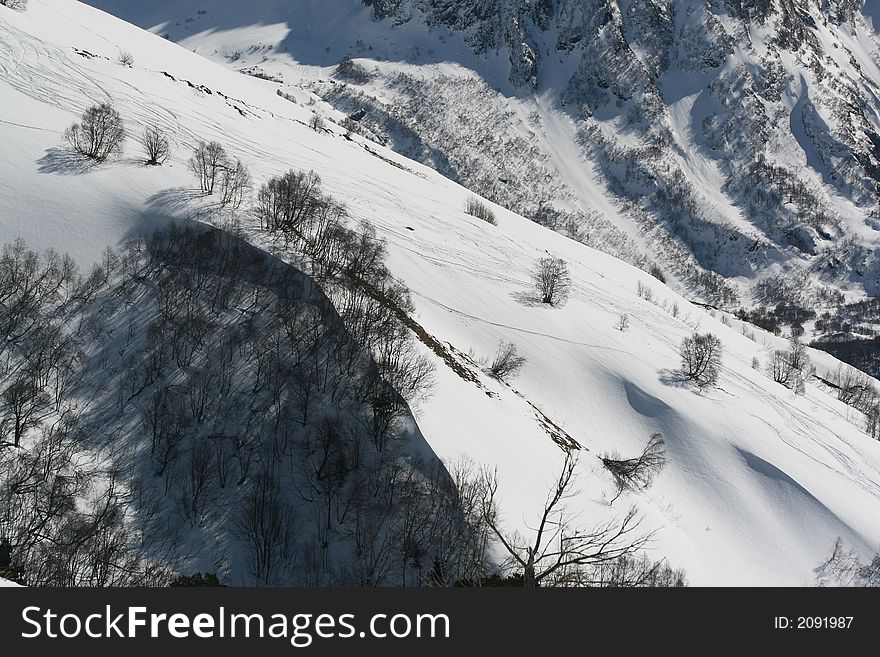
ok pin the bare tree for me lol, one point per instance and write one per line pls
(622, 323)
(286, 203)
(99, 134)
(657, 273)
(701, 358)
(552, 280)
(235, 181)
(638, 473)
(266, 525)
(21, 407)
(854, 388)
(845, 568)
(634, 571)
(476, 208)
(872, 422)
(791, 367)
(156, 145)
(125, 58)
(507, 362)
(560, 553)
(316, 123)
(208, 162)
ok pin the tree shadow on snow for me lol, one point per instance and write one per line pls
(673, 378)
(64, 162)
(527, 299)
(178, 201)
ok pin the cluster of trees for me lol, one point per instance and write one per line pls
(326, 490)
(100, 134)
(845, 568)
(245, 409)
(857, 389)
(217, 171)
(477, 208)
(791, 367)
(349, 70)
(62, 519)
(251, 414)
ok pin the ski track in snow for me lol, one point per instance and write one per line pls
(763, 469)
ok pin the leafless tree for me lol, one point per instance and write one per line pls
(477, 208)
(289, 201)
(208, 162)
(235, 183)
(14, 4)
(196, 480)
(99, 134)
(125, 58)
(21, 407)
(552, 280)
(638, 473)
(559, 552)
(156, 145)
(701, 358)
(507, 362)
(872, 421)
(791, 367)
(622, 323)
(266, 524)
(636, 571)
(855, 388)
(845, 568)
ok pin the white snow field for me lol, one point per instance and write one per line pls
(759, 483)
(540, 136)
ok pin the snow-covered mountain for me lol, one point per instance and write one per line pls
(760, 481)
(734, 145)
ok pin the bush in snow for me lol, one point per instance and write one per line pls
(476, 208)
(155, 144)
(701, 358)
(100, 133)
(638, 473)
(316, 123)
(350, 71)
(507, 362)
(657, 273)
(552, 280)
(125, 58)
(14, 4)
(791, 367)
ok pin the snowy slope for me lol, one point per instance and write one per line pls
(659, 132)
(760, 482)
